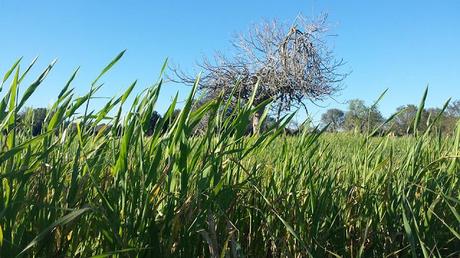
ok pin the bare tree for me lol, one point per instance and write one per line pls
(292, 64)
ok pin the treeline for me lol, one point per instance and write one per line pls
(34, 120)
(360, 118)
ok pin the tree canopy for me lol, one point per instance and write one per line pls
(334, 119)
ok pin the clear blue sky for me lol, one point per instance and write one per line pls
(400, 45)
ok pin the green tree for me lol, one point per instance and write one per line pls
(442, 124)
(33, 118)
(355, 116)
(403, 122)
(152, 123)
(335, 118)
(360, 118)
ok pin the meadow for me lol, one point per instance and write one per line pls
(74, 192)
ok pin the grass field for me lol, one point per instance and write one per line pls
(71, 192)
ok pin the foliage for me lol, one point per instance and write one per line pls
(360, 118)
(154, 119)
(71, 193)
(334, 119)
(403, 122)
(445, 120)
(34, 117)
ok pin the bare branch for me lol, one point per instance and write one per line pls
(293, 65)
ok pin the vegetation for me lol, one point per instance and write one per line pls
(128, 191)
(334, 119)
(358, 117)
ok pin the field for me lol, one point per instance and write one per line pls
(71, 191)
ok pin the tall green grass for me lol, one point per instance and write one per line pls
(118, 192)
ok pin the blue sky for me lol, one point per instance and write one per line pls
(400, 45)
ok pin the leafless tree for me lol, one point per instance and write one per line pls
(293, 64)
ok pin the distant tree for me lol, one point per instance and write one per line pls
(375, 118)
(453, 115)
(153, 122)
(441, 125)
(38, 120)
(33, 117)
(453, 110)
(168, 123)
(355, 116)
(360, 118)
(403, 123)
(293, 64)
(447, 121)
(335, 118)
